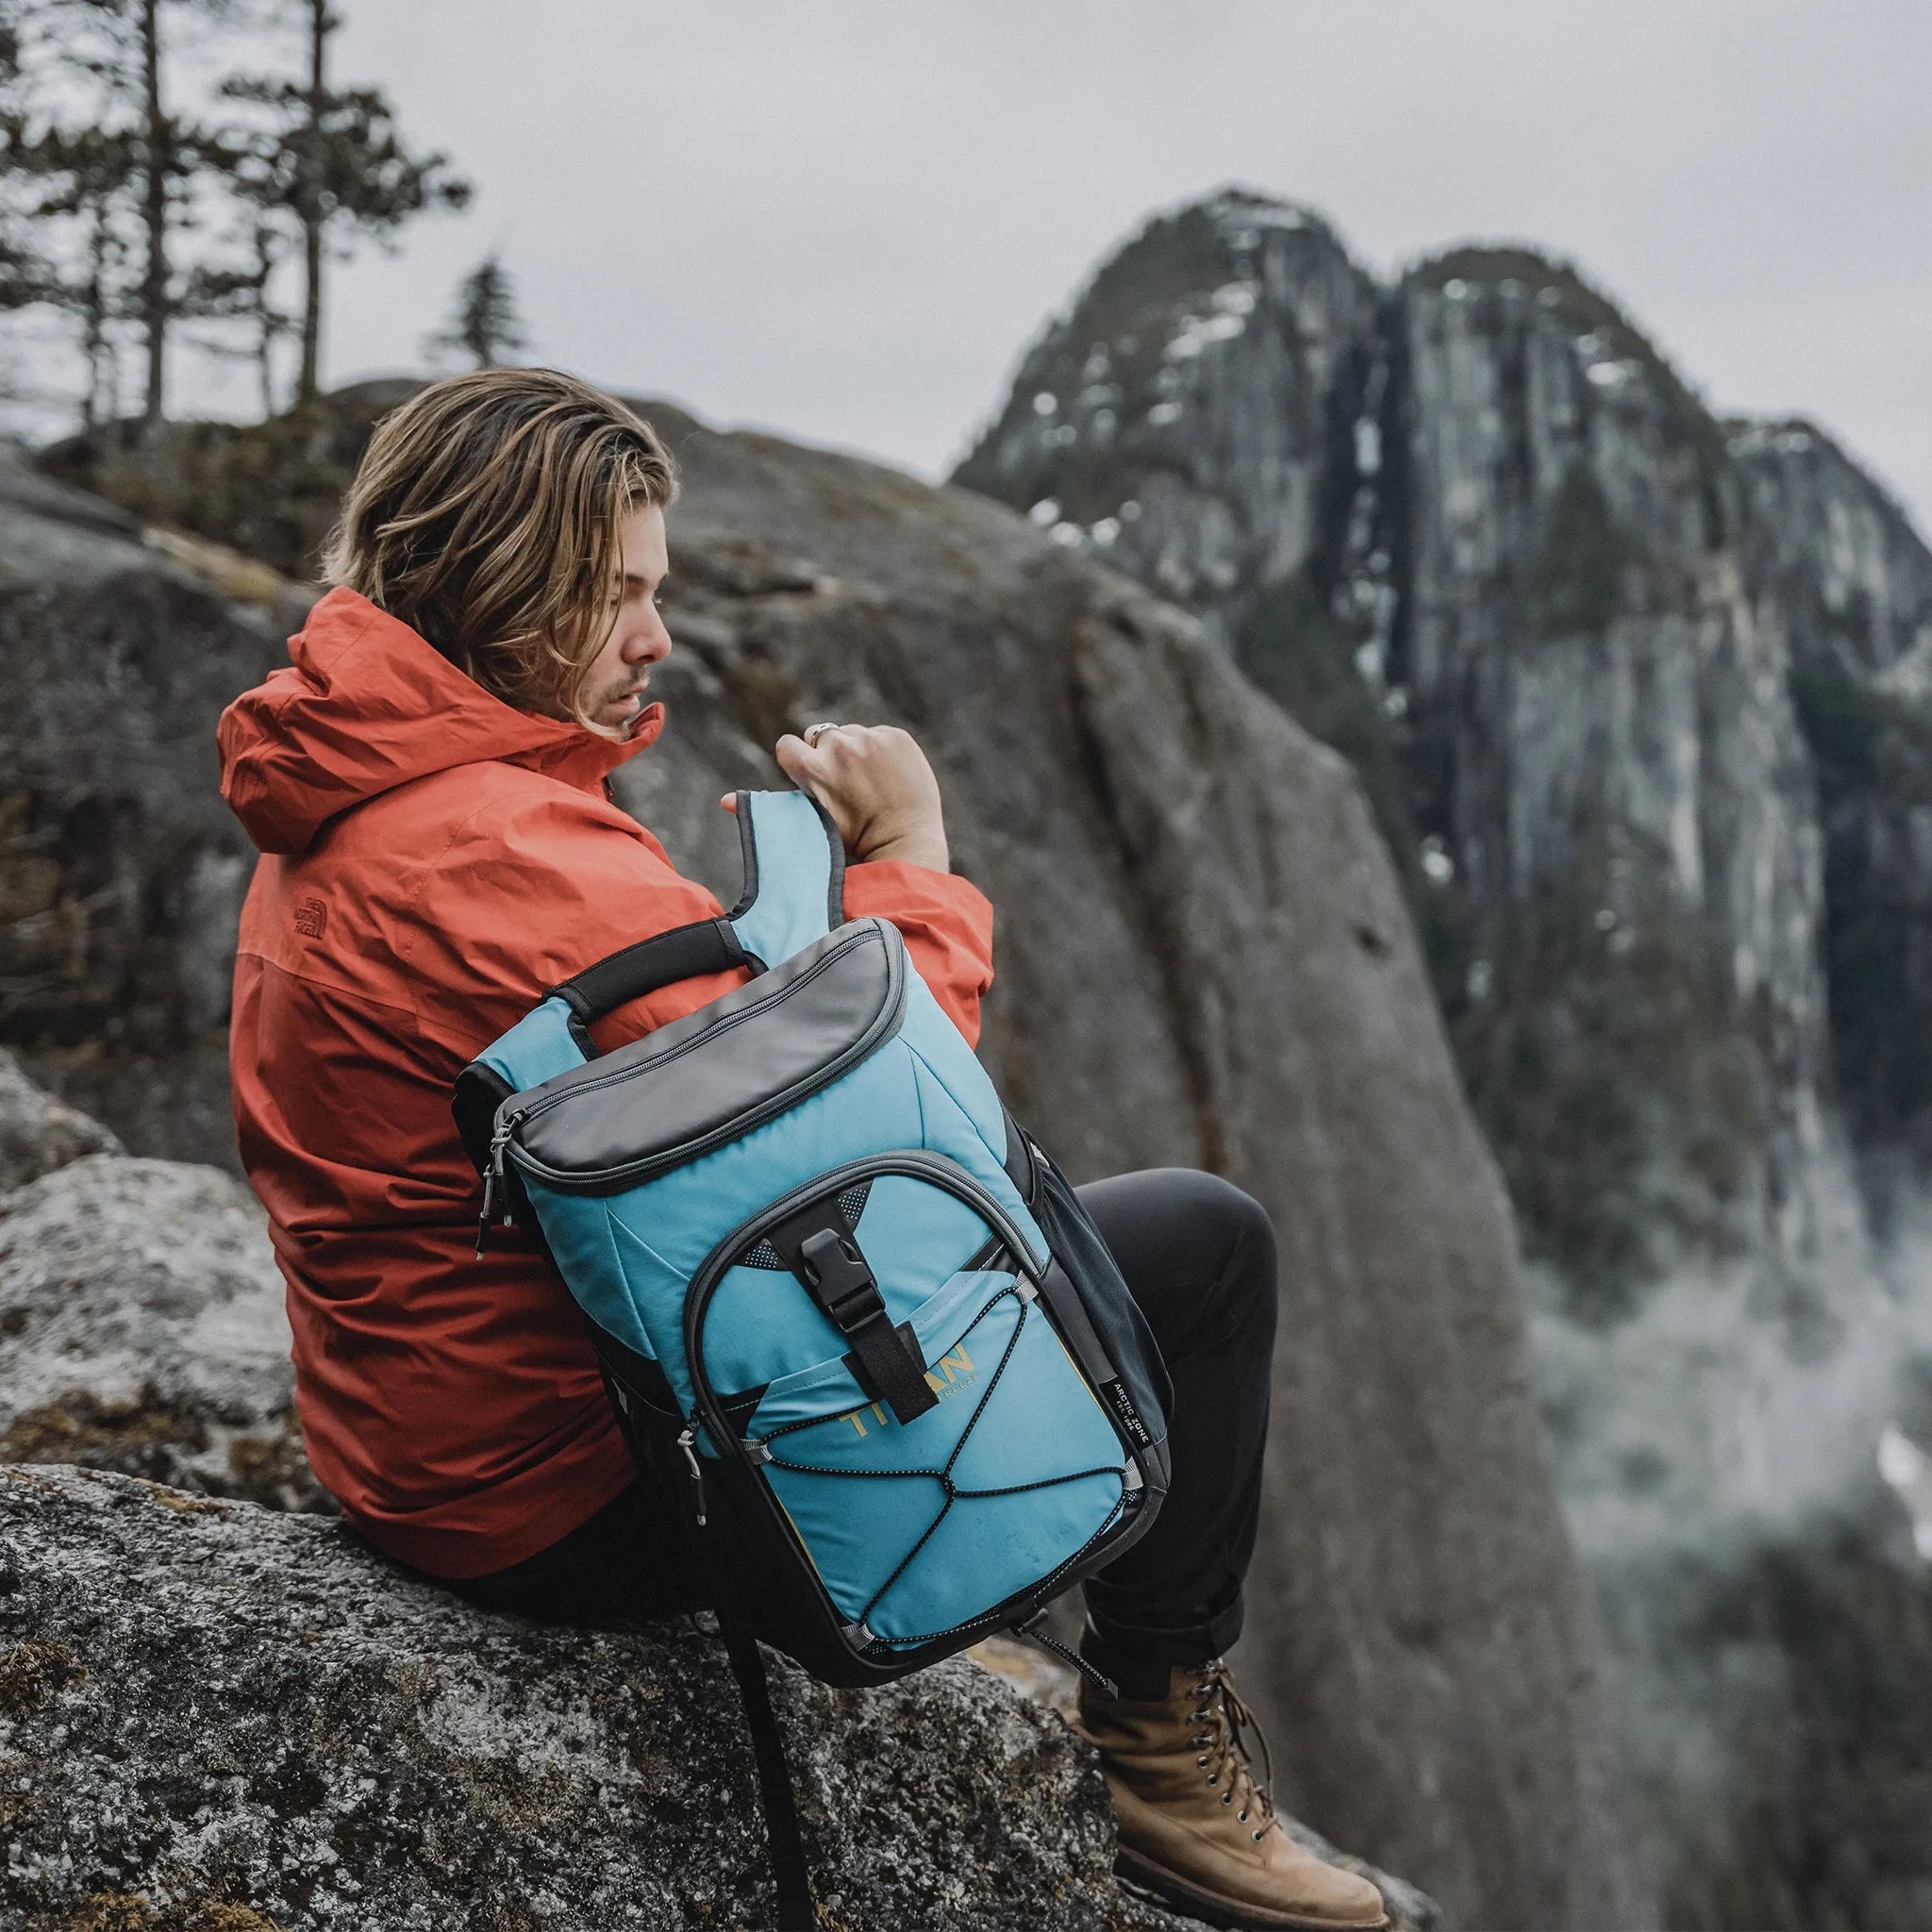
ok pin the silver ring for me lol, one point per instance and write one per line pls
(812, 733)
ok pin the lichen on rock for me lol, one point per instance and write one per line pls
(142, 1329)
(249, 1713)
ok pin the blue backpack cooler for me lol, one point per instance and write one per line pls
(842, 1303)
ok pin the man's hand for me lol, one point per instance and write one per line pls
(875, 783)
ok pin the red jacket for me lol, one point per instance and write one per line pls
(432, 861)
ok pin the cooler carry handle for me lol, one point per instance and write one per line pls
(686, 952)
(794, 873)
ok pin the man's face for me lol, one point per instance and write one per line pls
(614, 689)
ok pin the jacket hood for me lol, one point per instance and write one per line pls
(365, 705)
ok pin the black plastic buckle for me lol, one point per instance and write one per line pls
(886, 1360)
(840, 1280)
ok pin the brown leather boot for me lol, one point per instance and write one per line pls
(1195, 1827)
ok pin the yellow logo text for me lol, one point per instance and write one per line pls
(952, 1370)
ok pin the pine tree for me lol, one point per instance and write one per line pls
(270, 323)
(332, 162)
(78, 179)
(135, 163)
(483, 323)
(24, 267)
(242, 292)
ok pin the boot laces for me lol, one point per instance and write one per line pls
(1223, 1727)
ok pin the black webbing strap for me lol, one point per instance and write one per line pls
(856, 1366)
(645, 1408)
(842, 1282)
(685, 952)
(795, 1912)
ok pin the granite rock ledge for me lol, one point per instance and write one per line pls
(217, 1718)
(142, 1330)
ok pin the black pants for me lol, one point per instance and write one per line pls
(1198, 1255)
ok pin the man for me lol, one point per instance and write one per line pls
(426, 785)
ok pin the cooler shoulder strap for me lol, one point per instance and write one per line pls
(795, 875)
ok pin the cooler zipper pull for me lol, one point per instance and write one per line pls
(483, 1218)
(493, 1178)
(688, 1442)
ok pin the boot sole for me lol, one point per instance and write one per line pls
(1169, 1888)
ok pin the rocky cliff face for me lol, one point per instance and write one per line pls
(120, 872)
(1208, 417)
(1195, 415)
(1596, 709)
(1475, 533)
(1418, 1630)
(1642, 706)
(1601, 740)
(1836, 564)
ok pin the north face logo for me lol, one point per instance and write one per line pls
(311, 917)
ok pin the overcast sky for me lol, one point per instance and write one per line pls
(843, 219)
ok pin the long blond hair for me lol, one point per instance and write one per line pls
(486, 515)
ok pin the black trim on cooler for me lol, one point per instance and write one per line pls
(748, 859)
(1021, 1169)
(478, 1092)
(747, 855)
(835, 891)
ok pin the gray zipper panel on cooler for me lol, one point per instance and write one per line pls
(716, 1073)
